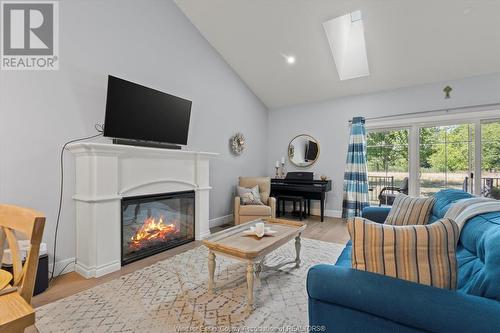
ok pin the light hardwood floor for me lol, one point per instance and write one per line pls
(331, 230)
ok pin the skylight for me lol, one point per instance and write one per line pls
(347, 41)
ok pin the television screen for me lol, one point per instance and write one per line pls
(311, 151)
(140, 113)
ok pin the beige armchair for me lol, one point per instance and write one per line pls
(245, 213)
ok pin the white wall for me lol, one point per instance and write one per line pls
(328, 121)
(149, 42)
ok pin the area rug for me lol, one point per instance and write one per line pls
(172, 296)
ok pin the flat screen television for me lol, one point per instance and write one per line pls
(311, 151)
(136, 112)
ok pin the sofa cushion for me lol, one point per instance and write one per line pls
(419, 253)
(478, 256)
(442, 201)
(255, 210)
(407, 210)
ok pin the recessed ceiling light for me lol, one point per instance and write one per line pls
(347, 42)
(290, 60)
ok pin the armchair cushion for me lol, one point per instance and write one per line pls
(255, 210)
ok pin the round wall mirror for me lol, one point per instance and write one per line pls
(303, 150)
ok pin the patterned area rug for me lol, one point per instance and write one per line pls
(172, 296)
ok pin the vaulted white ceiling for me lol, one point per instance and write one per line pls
(408, 43)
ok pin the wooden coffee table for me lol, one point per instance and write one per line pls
(234, 244)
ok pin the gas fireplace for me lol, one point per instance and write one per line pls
(154, 223)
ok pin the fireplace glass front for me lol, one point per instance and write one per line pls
(154, 223)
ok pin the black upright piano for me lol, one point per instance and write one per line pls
(302, 184)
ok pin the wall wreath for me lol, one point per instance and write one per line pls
(237, 143)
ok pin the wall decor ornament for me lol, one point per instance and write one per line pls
(447, 90)
(238, 143)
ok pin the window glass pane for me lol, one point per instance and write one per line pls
(387, 153)
(446, 158)
(490, 159)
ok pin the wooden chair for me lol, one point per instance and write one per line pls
(30, 224)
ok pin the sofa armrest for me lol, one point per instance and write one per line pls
(376, 214)
(237, 203)
(411, 304)
(272, 203)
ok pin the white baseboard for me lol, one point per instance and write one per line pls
(92, 272)
(203, 235)
(218, 221)
(63, 266)
(70, 265)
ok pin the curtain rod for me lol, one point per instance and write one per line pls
(407, 115)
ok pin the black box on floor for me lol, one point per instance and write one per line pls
(42, 274)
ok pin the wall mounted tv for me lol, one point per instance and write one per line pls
(140, 115)
(311, 151)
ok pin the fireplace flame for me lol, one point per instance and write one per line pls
(152, 230)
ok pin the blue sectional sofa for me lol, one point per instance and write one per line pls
(342, 299)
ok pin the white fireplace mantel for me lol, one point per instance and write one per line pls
(106, 173)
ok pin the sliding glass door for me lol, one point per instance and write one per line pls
(446, 155)
(387, 152)
(452, 151)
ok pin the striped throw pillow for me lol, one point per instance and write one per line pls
(410, 211)
(419, 253)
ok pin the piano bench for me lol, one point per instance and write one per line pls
(295, 199)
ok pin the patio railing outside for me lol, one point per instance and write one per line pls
(375, 186)
(488, 186)
(377, 183)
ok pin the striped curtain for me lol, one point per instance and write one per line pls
(356, 172)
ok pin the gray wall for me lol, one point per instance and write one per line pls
(150, 42)
(328, 121)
